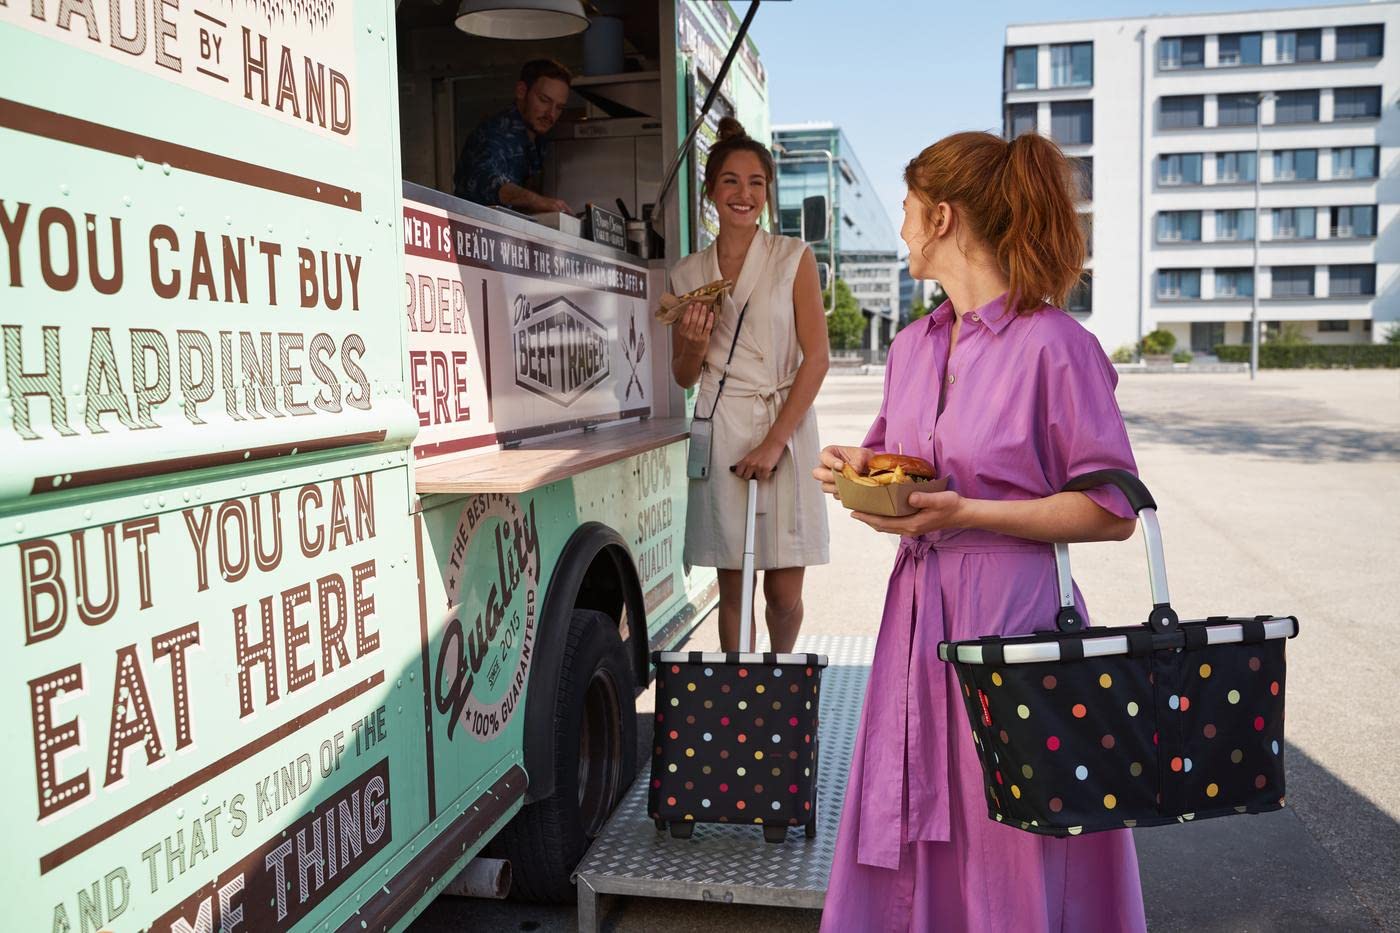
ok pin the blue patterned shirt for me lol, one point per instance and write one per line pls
(499, 151)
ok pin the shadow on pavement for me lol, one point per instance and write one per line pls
(1285, 439)
(1271, 872)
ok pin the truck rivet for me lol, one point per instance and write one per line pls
(64, 190)
(180, 210)
(19, 527)
(180, 813)
(165, 167)
(87, 514)
(160, 500)
(140, 162)
(126, 199)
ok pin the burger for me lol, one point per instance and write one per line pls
(889, 469)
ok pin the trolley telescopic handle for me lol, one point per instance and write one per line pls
(746, 601)
(1162, 618)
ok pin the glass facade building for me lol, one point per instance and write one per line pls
(867, 244)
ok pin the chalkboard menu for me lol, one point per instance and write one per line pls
(606, 227)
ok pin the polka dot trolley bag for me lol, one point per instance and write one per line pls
(1085, 729)
(736, 733)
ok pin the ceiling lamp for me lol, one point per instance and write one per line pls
(521, 19)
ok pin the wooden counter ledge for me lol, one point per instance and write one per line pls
(539, 463)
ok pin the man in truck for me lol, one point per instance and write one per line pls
(504, 156)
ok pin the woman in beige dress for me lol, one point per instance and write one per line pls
(764, 426)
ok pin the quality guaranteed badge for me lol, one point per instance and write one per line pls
(488, 642)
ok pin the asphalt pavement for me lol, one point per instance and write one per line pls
(1277, 496)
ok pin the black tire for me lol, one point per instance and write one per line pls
(595, 761)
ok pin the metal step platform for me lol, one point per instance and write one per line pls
(733, 864)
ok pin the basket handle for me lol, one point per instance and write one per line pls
(1163, 617)
(746, 598)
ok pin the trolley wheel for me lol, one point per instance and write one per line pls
(595, 759)
(682, 829)
(811, 827)
(660, 825)
(774, 832)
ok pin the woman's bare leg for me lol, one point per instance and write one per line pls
(731, 594)
(782, 591)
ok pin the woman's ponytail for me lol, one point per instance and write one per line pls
(1018, 198)
(1042, 247)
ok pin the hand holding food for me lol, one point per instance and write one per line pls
(673, 308)
(696, 325)
(836, 458)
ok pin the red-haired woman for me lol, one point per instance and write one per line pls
(1009, 397)
(768, 344)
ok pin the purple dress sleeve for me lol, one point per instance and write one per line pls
(1084, 428)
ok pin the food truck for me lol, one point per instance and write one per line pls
(338, 515)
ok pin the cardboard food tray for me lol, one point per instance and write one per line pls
(891, 500)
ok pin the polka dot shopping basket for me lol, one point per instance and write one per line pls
(736, 733)
(1085, 729)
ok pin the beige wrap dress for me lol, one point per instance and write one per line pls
(791, 528)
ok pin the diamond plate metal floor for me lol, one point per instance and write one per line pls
(733, 864)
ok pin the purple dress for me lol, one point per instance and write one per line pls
(1028, 404)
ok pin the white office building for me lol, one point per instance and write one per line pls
(1165, 114)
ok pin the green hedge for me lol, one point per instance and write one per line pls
(1316, 356)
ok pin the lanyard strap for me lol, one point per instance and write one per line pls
(730, 359)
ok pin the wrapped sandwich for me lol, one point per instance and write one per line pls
(672, 307)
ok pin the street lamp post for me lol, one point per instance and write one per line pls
(1254, 285)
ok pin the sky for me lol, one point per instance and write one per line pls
(897, 75)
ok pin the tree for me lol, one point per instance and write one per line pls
(845, 325)
(1289, 334)
(920, 309)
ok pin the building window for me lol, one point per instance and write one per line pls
(1354, 162)
(1234, 283)
(1072, 65)
(1206, 336)
(1020, 118)
(1296, 107)
(1358, 220)
(1295, 165)
(1181, 52)
(1081, 297)
(1180, 168)
(1295, 223)
(1183, 111)
(1237, 109)
(1241, 48)
(1234, 167)
(1179, 227)
(1235, 225)
(1356, 103)
(1021, 67)
(1178, 283)
(1333, 327)
(1292, 281)
(1299, 45)
(1082, 168)
(1355, 42)
(1072, 122)
(1086, 226)
(790, 220)
(1356, 281)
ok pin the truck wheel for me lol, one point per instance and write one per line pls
(595, 760)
